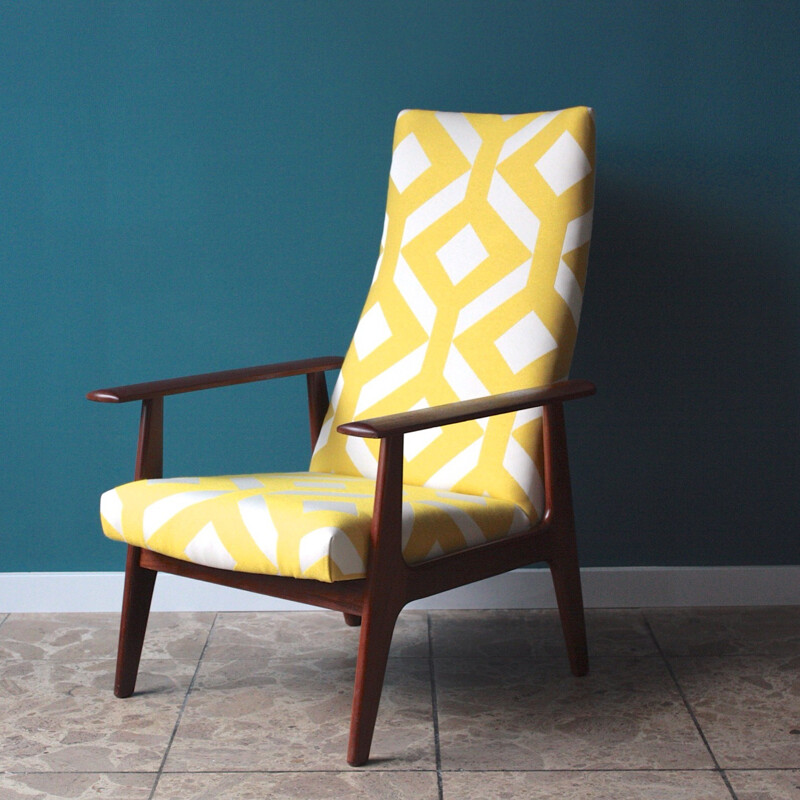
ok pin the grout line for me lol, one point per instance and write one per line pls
(717, 768)
(420, 771)
(182, 708)
(435, 709)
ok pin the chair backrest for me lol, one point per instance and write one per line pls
(477, 291)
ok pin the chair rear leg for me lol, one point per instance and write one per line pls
(373, 653)
(353, 620)
(139, 584)
(567, 582)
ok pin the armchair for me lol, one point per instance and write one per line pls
(440, 458)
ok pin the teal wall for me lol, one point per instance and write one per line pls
(189, 186)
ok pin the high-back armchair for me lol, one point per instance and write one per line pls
(441, 457)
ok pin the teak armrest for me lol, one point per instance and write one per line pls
(422, 418)
(212, 380)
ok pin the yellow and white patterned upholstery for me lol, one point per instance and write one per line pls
(302, 525)
(477, 291)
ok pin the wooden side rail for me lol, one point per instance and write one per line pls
(212, 380)
(450, 413)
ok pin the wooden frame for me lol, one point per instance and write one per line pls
(375, 601)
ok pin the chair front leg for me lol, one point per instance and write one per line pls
(139, 584)
(384, 598)
(373, 653)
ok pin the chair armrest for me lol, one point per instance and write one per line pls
(211, 380)
(450, 413)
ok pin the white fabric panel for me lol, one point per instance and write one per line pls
(259, 524)
(460, 130)
(390, 379)
(454, 470)
(434, 209)
(372, 331)
(521, 467)
(163, 510)
(470, 529)
(206, 548)
(361, 456)
(525, 342)
(524, 135)
(493, 298)
(111, 509)
(412, 291)
(408, 163)
(564, 164)
(462, 254)
(246, 482)
(340, 506)
(521, 221)
(569, 290)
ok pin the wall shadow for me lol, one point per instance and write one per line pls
(690, 452)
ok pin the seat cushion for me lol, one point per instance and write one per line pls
(302, 524)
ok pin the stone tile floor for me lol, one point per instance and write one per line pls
(694, 704)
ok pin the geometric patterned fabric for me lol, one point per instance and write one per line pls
(477, 291)
(303, 525)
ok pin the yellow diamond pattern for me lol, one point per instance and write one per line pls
(479, 284)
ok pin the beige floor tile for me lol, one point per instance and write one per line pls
(63, 717)
(747, 707)
(663, 785)
(294, 714)
(727, 631)
(532, 714)
(299, 786)
(78, 637)
(536, 634)
(3, 618)
(301, 634)
(77, 786)
(765, 784)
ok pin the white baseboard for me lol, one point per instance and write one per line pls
(603, 587)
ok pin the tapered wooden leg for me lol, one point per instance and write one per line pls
(384, 598)
(139, 583)
(569, 596)
(353, 620)
(373, 653)
(563, 558)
